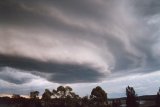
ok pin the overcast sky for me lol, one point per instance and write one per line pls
(80, 43)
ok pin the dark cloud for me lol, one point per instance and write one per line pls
(15, 76)
(56, 72)
(17, 13)
(15, 80)
(146, 7)
(62, 40)
(46, 13)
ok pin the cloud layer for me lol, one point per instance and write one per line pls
(78, 41)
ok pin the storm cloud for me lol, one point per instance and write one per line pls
(53, 71)
(74, 41)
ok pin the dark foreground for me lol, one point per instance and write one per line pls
(65, 97)
(24, 102)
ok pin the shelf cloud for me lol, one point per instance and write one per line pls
(73, 41)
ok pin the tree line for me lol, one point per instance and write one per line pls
(64, 96)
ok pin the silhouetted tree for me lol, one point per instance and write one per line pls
(54, 93)
(34, 94)
(116, 103)
(61, 91)
(98, 96)
(67, 95)
(16, 96)
(46, 95)
(158, 98)
(131, 100)
(85, 101)
(46, 98)
(68, 91)
(74, 99)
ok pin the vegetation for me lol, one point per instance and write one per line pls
(65, 97)
(34, 94)
(98, 96)
(158, 99)
(131, 97)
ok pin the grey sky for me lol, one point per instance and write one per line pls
(78, 42)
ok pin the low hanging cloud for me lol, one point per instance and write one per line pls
(79, 41)
(15, 76)
(52, 71)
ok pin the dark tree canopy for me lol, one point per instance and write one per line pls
(64, 96)
(99, 95)
(61, 91)
(16, 96)
(47, 94)
(131, 100)
(34, 94)
(158, 99)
